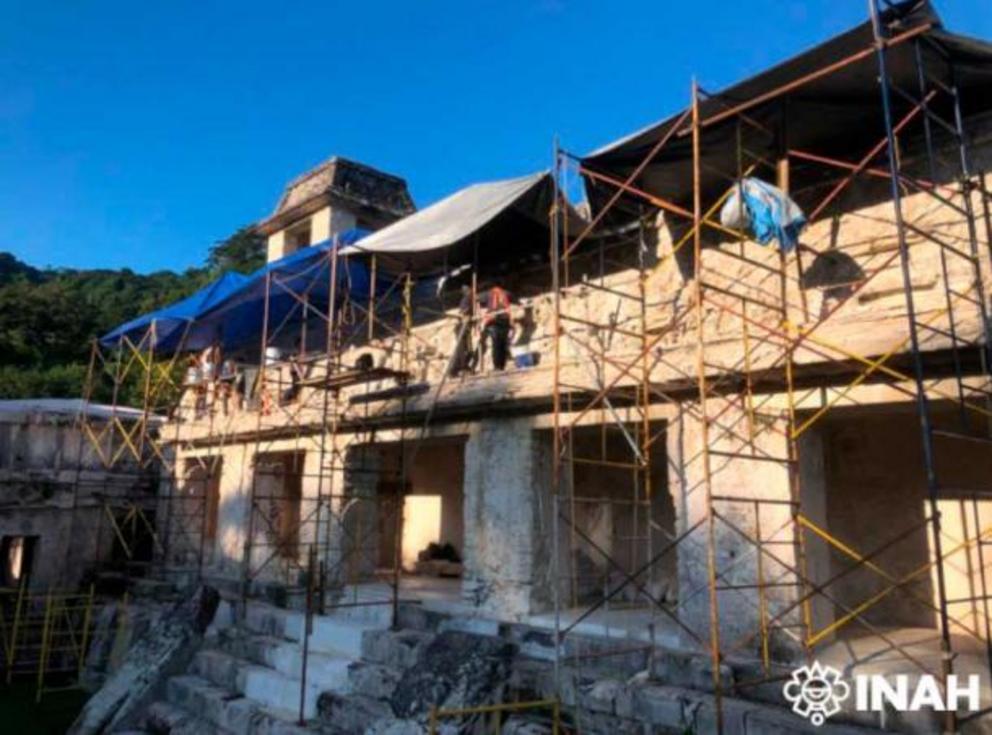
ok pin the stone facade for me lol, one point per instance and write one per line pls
(502, 420)
(56, 493)
(508, 514)
(335, 196)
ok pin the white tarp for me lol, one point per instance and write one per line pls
(450, 220)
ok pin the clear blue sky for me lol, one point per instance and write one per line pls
(135, 134)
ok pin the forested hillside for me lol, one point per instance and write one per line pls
(48, 317)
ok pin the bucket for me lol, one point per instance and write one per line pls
(524, 359)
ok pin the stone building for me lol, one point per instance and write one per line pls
(334, 196)
(712, 456)
(57, 495)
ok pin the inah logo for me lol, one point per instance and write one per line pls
(816, 692)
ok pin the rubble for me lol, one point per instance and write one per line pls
(163, 651)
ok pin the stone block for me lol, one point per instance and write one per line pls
(534, 679)
(667, 707)
(398, 649)
(525, 726)
(417, 617)
(372, 680)
(455, 670)
(351, 714)
(533, 642)
(164, 650)
(396, 727)
(601, 695)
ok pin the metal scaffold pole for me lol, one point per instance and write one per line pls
(700, 317)
(768, 389)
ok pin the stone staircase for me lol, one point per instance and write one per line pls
(247, 677)
(363, 678)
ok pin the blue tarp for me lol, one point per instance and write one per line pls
(231, 310)
(766, 211)
(170, 322)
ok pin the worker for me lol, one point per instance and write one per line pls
(297, 372)
(209, 365)
(193, 381)
(230, 384)
(497, 325)
(464, 357)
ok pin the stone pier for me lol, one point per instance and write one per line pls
(508, 517)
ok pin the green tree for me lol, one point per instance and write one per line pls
(244, 251)
(49, 317)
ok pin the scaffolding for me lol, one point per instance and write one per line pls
(331, 393)
(45, 636)
(737, 356)
(334, 416)
(322, 430)
(766, 371)
(128, 443)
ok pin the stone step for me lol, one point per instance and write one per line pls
(164, 718)
(156, 589)
(264, 686)
(218, 706)
(354, 713)
(395, 648)
(330, 634)
(329, 670)
(363, 609)
(373, 680)
(368, 607)
(229, 711)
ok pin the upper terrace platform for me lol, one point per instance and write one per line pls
(850, 309)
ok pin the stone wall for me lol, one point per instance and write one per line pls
(751, 498)
(850, 258)
(508, 517)
(54, 486)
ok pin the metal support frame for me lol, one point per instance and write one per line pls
(321, 421)
(615, 389)
(768, 306)
(45, 636)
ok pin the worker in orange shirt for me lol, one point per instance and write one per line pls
(497, 325)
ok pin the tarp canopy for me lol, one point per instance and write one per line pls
(301, 281)
(498, 221)
(836, 113)
(492, 224)
(167, 326)
(230, 311)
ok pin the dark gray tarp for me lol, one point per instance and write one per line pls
(838, 115)
(494, 222)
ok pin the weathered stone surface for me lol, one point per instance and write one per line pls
(163, 718)
(394, 648)
(349, 714)
(523, 726)
(455, 670)
(601, 696)
(396, 727)
(98, 657)
(373, 680)
(117, 626)
(163, 651)
(507, 465)
(55, 486)
(689, 669)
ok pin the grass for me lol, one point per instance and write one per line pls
(52, 716)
